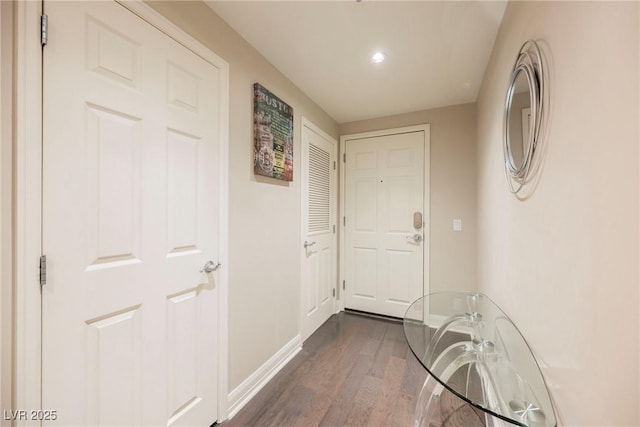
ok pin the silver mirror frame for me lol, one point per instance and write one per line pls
(529, 63)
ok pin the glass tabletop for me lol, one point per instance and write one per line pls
(470, 346)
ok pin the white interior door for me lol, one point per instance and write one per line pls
(385, 221)
(130, 210)
(319, 226)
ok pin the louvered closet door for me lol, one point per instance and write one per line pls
(319, 266)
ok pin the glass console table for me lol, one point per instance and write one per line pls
(471, 348)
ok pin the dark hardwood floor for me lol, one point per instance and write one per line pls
(353, 371)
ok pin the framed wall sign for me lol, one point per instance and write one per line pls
(272, 134)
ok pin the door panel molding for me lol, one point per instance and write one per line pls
(344, 140)
(28, 100)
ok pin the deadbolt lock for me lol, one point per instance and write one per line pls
(417, 220)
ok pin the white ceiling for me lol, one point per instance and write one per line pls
(437, 51)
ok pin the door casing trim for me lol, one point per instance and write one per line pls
(27, 207)
(27, 375)
(344, 139)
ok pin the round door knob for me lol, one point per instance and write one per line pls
(416, 238)
(209, 267)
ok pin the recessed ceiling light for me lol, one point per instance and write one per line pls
(378, 57)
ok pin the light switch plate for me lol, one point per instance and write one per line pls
(457, 225)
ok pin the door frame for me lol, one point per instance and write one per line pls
(27, 379)
(344, 140)
(6, 206)
(304, 211)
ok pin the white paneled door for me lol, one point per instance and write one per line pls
(385, 220)
(319, 225)
(130, 211)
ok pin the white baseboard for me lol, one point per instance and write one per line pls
(242, 394)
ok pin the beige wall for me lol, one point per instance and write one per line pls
(564, 263)
(264, 214)
(453, 189)
(6, 257)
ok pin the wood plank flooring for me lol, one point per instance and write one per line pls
(353, 371)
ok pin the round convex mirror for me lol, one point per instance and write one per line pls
(518, 124)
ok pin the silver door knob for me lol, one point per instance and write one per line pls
(416, 238)
(307, 244)
(209, 267)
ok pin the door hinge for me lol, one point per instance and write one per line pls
(43, 270)
(344, 157)
(44, 30)
(343, 284)
(334, 292)
(344, 220)
(334, 165)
